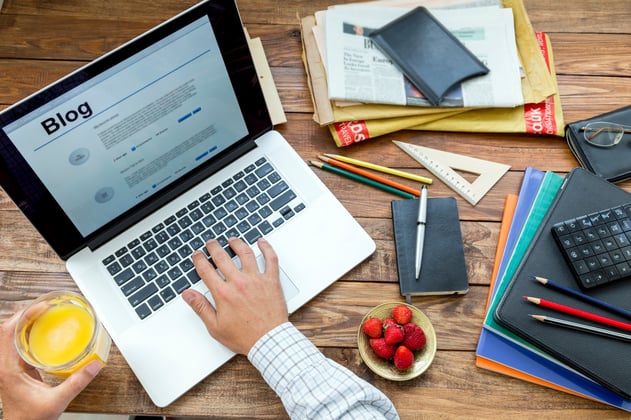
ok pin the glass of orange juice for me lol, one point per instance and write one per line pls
(59, 332)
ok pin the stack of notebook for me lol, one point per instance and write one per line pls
(515, 344)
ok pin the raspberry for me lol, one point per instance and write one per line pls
(403, 358)
(402, 314)
(372, 327)
(414, 336)
(381, 349)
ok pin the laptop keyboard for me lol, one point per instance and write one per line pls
(156, 267)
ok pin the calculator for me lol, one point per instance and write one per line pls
(597, 246)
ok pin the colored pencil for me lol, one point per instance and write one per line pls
(361, 179)
(361, 172)
(578, 313)
(380, 168)
(579, 295)
(582, 327)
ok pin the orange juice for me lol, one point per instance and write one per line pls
(59, 333)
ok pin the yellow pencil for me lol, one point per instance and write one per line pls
(380, 168)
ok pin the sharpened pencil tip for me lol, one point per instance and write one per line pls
(539, 317)
(541, 280)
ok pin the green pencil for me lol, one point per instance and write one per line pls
(361, 179)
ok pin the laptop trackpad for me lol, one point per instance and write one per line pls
(289, 288)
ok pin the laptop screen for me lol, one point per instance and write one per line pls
(114, 135)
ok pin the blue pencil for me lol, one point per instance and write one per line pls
(582, 296)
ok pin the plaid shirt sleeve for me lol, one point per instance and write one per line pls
(311, 385)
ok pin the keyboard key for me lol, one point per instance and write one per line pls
(124, 276)
(282, 200)
(143, 294)
(181, 285)
(155, 303)
(132, 286)
(143, 311)
(114, 268)
(167, 294)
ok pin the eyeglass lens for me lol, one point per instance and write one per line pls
(603, 134)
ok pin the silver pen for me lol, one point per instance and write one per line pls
(420, 229)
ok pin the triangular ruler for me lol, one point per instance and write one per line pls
(443, 164)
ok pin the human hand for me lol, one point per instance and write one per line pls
(23, 393)
(248, 303)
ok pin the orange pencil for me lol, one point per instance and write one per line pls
(356, 170)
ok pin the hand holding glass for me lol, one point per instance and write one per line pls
(59, 333)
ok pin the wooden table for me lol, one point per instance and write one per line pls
(41, 41)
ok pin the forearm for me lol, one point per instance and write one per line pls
(311, 385)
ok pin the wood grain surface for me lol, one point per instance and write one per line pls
(41, 41)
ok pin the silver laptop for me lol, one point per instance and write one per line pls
(133, 161)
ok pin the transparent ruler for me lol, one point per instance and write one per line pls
(444, 165)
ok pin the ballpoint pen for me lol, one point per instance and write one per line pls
(420, 229)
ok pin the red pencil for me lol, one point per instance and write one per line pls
(370, 175)
(579, 313)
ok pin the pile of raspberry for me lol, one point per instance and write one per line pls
(395, 338)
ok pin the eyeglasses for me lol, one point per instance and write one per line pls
(604, 134)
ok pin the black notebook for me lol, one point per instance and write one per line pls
(443, 269)
(430, 56)
(604, 360)
(610, 163)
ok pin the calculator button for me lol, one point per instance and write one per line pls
(584, 222)
(604, 259)
(586, 251)
(622, 240)
(616, 256)
(600, 277)
(602, 231)
(598, 247)
(567, 241)
(595, 219)
(614, 228)
(592, 235)
(611, 273)
(581, 267)
(624, 268)
(579, 238)
(560, 229)
(609, 243)
(587, 280)
(574, 254)
(619, 213)
(607, 215)
(592, 263)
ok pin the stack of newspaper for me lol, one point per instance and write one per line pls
(359, 94)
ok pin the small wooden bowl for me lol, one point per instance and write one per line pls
(385, 368)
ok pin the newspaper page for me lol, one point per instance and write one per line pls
(357, 71)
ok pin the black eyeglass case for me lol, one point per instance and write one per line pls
(610, 163)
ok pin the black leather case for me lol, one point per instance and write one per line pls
(611, 163)
(427, 53)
